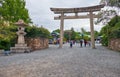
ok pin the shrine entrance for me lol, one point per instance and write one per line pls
(76, 11)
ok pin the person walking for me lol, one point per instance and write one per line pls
(71, 44)
(81, 42)
(85, 42)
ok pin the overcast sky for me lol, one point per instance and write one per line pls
(40, 13)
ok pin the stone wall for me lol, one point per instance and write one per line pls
(37, 43)
(114, 44)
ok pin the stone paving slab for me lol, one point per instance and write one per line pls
(65, 62)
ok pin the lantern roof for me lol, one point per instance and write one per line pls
(20, 23)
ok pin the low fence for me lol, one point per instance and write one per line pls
(37, 43)
(114, 44)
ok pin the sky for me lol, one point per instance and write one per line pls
(41, 15)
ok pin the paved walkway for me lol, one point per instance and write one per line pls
(65, 62)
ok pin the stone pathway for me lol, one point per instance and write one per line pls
(65, 62)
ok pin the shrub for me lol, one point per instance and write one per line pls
(34, 31)
(104, 40)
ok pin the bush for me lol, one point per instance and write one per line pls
(115, 34)
(115, 31)
(5, 44)
(34, 31)
(104, 40)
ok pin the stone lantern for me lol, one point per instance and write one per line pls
(20, 46)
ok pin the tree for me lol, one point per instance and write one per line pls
(70, 34)
(112, 3)
(107, 14)
(13, 10)
(7, 36)
(96, 34)
(111, 30)
(67, 34)
(83, 30)
(57, 30)
(78, 37)
(73, 34)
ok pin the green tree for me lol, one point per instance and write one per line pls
(67, 34)
(73, 34)
(57, 30)
(78, 37)
(13, 10)
(111, 30)
(7, 36)
(96, 34)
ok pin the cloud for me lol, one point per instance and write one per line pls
(40, 13)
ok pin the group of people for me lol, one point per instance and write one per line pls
(82, 41)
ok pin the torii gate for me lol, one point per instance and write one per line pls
(63, 11)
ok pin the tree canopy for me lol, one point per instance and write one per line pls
(112, 3)
(112, 9)
(13, 10)
(7, 36)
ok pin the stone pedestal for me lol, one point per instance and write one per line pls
(20, 46)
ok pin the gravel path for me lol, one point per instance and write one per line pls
(65, 62)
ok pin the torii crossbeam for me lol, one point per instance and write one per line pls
(63, 11)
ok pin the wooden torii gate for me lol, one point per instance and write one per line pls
(63, 11)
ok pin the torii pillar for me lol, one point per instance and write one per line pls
(92, 30)
(61, 30)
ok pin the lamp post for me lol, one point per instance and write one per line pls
(20, 46)
(21, 27)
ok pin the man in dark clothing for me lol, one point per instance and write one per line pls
(71, 43)
(81, 42)
(85, 42)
